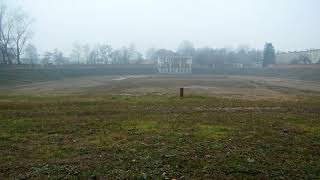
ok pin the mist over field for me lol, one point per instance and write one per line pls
(289, 24)
(159, 89)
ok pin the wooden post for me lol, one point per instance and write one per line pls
(181, 92)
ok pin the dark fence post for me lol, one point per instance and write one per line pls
(181, 92)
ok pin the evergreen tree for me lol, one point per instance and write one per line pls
(269, 55)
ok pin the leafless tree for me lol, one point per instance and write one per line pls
(6, 24)
(76, 53)
(186, 48)
(105, 53)
(31, 54)
(100, 54)
(20, 33)
(86, 52)
(149, 53)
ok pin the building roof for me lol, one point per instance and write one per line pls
(305, 51)
(165, 53)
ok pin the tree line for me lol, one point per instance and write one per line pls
(15, 34)
(85, 54)
(218, 56)
(105, 54)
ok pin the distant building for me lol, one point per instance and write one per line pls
(169, 62)
(289, 57)
(237, 65)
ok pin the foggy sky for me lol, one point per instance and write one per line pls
(288, 24)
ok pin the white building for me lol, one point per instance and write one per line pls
(289, 57)
(169, 62)
(237, 65)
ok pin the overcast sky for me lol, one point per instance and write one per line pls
(288, 24)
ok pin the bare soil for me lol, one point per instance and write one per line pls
(248, 87)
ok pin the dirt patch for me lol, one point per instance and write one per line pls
(246, 87)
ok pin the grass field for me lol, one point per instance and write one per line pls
(113, 127)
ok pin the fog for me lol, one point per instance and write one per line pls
(288, 24)
(159, 89)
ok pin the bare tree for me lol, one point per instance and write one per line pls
(47, 58)
(150, 52)
(105, 53)
(116, 56)
(21, 32)
(86, 52)
(31, 54)
(186, 48)
(93, 57)
(58, 57)
(100, 54)
(6, 24)
(76, 53)
(134, 56)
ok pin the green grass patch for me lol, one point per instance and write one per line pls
(213, 131)
(158, 138)
(145, 126)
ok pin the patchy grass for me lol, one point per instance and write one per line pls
(158, 137)
(213, 131)
(143, 126)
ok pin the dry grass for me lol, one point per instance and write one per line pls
(243, 87)
(227, 127)
(158, 137)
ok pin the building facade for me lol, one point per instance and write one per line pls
(289, 57)
(169, 62)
